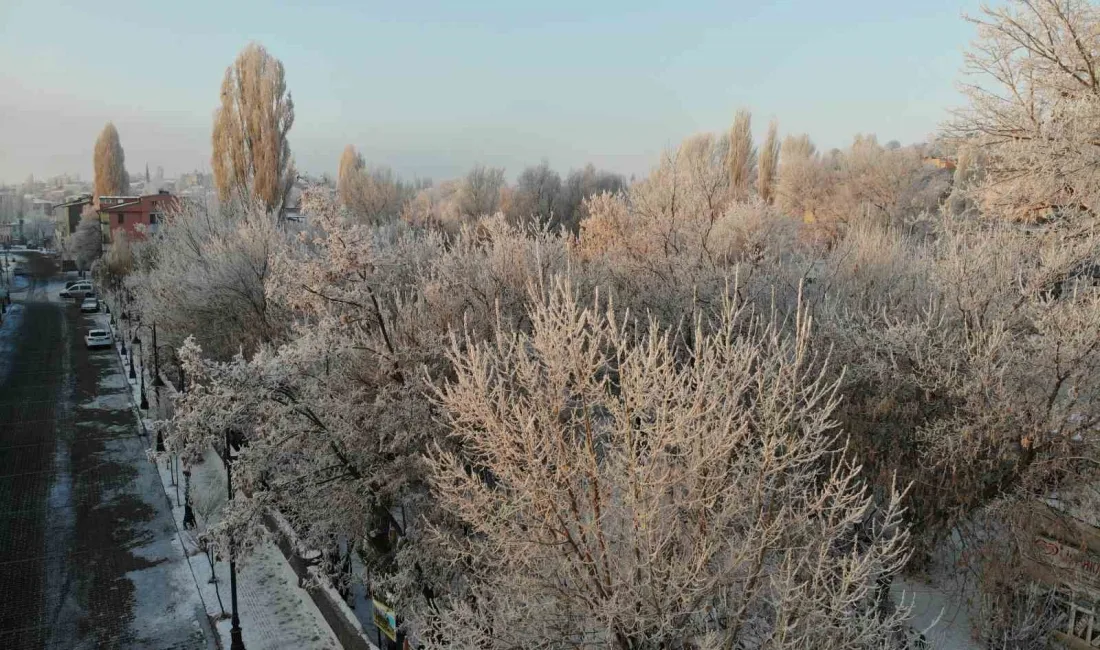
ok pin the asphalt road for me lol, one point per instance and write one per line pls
(89, 556)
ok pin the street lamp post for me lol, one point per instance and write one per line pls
(136, 347)
(157, 381)
(144, 400)
(188, 513)
(236, 642)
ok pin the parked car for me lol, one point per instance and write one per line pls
(98, 339)
(80, 290)
(90, 304)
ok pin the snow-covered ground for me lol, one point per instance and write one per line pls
(274, 611)
(937, 614)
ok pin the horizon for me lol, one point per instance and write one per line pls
(432, 91)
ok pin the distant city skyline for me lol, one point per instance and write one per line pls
(433, 89)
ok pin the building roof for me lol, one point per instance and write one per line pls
(137, 203)
(118, 206)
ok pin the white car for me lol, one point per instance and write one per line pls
(90, 304)
(78, 290)
(98, 339)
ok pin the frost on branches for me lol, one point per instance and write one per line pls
(207, 276)
(336, 417)
(1034, 107)
(616, 494)
(555, 474)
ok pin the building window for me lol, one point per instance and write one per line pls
(121, 218)
(154, 218)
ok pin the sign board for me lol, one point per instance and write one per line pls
(1075, 566)
(385, 619)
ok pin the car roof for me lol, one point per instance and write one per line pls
(97, 332)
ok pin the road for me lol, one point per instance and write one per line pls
(89, 554)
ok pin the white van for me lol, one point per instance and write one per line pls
(78, 290)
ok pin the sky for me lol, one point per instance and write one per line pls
(431, 87)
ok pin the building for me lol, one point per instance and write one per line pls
(11, 206)
(38, 208)
(940, 163)
(67, 214)
(66, 218)
(137, 216)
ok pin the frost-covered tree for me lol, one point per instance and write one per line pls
(768, 166)
(579, 186)
(742, 155)
(536, 196)
(117, 262)
(701, 157)
(1034, 106)
(967, 359)
(435, 207)
(803, 179)
(373, 194)
(207, 276)
(251, 156)
(347, 177)
(479, 193)
(674, 237)
(338, 416)
(109, 164)
(87, 240)
(871, 181)
(962, 360)
(864, 182)
(618, 495)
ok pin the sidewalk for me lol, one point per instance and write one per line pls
(275, 613)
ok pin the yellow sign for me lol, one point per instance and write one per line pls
(385, 619)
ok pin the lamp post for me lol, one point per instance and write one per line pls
(188, 513)
(157, 381)
(136, 347)
(144, 400)
(236, 642)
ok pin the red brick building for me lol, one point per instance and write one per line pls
(139, 216)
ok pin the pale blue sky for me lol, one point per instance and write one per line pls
(432, 87)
